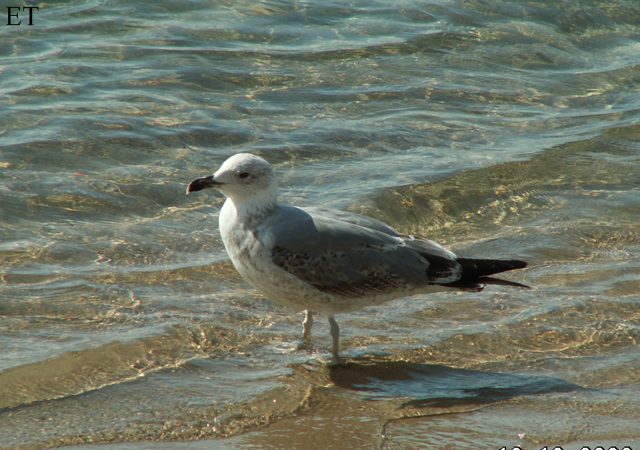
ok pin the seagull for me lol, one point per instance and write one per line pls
(329, 261)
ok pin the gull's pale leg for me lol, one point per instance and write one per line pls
(307, 323)
(335, 335)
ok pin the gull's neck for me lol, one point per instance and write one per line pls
(251, 210)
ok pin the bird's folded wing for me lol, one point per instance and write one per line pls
(351, 217)
(350, 260)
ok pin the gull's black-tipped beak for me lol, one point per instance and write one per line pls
(202, 183)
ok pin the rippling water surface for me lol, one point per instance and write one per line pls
(500, 128)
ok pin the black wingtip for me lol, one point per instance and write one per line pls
(479, 271)
(501, 282)
(473, 269)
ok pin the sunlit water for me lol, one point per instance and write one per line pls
(506, 129)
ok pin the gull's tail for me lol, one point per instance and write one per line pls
(476, 272)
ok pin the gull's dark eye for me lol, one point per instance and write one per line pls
(244, 175)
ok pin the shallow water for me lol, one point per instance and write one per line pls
(506, 129)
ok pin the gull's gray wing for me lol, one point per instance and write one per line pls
(346, 259)
(420, 245)
(350, 217)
